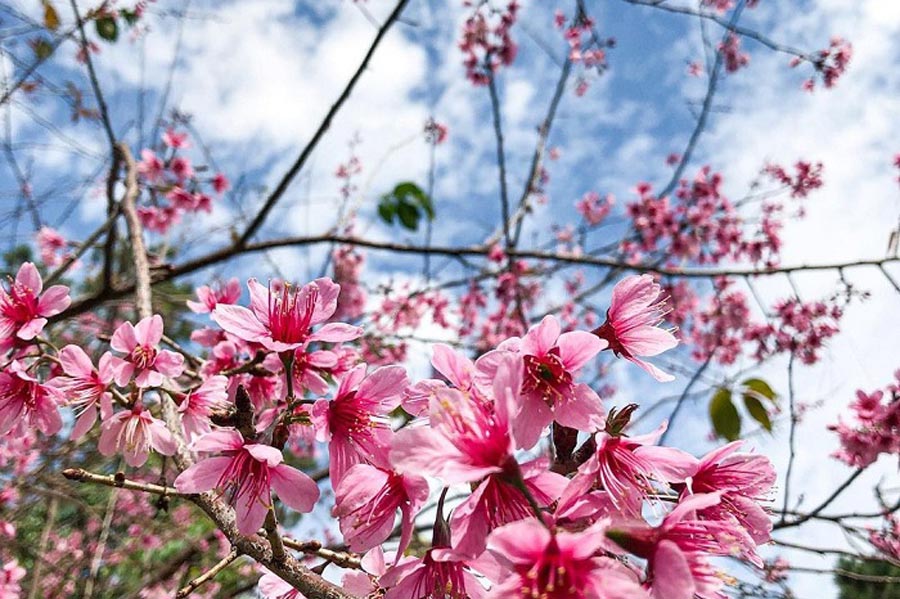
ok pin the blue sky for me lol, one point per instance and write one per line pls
(258, 77)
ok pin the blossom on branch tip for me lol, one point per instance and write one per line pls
(85, 387)
(245, 473)
(356, 423)
(24, 309)
(24, 399)
(631, 328)
(133, 433)
(282, 319)
(143, 360)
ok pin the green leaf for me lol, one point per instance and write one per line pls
(409, 190)
(724, 415)
(409, 215)
(107, 28)
(758, 411)
(42, 48)
(387, 210)
(760, 388)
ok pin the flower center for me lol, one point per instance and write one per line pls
(19, 305)
(143, 356)
(547, 376)
(290, 313)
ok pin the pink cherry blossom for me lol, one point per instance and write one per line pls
(175, 140)
(143, 360)
(499, 500)
(85, 387)
(675, 549)
(441, 572)
(469, 437)
(367, 500)
(195, 408)
(220, 183)
(245, 474)
(273, 587)
(558, 565)
(210, 297)
(133, 433)
(23, 399)
(356, 423)
(548, 393)
(743, 481)
(282, 320)
(24, 309)
(627, 468)
(631, 323)
(150, 166)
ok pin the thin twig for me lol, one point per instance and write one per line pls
(285, 182)
(118, 481)
(208, 575)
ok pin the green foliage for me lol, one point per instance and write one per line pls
(725, 416)
(406, 204)
(107, 28)
(852, 588)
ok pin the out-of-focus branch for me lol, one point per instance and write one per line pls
(501, 157)
(285, 182)
(142, 294)
(822, 506)
(85, 246)
(208, 575)
(726, 24)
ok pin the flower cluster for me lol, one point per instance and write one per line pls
(877, 427)
(830, 63)
(730, 49)
(486, 41)
(174, 186)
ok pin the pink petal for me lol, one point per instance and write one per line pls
(202, 476)
(583, 410)
(648, 341)
(54, 300)
(264, 453)
(295, 489)
(519, 542)
(250, 511)
(239, 321)
(671, 573)
(161, 439)
(169, 363)
(384, 386)
(457, 369)
(75, 362)
(659, 375)
(672, 464)
(327, 302)
(541, 338)
(577, 348)
(31, 329)
(123, 339)
(85, 422)
(28, 276)
(149, 330)
(219, 440)
(336, 332)
(533, 417)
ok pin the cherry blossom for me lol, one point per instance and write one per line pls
(631, 329)
(85, 387)
(24, 309)
(24, 400)
(144, 361)
(245, 474)
(133, 433)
